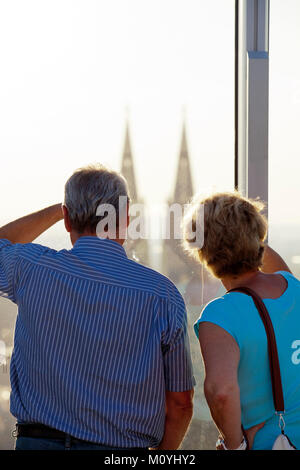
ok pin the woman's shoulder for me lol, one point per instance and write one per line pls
(225, 302)
(289, 277)
(293, 287)
(222, 311)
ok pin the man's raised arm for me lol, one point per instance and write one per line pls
(28, 228)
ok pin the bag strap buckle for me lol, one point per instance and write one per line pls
(281, 423)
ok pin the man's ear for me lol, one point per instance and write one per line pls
(128, 216)
(66, 219)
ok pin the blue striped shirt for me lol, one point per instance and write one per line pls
(99, 339)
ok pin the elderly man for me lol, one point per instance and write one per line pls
(101, 355)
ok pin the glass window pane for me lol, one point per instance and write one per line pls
(284, 192)
(142, 86)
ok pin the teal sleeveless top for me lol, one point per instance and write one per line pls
(237, 314)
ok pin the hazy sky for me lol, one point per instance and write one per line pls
(70, 68)
(284, 155)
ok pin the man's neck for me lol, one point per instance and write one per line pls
(75, 236)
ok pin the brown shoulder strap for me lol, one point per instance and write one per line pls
(272, 347)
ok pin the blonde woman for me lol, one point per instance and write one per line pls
(232, 338)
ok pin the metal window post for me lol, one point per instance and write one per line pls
(252, 97)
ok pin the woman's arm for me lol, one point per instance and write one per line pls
(273, 262)
(221, 357)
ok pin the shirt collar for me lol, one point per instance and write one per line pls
(98, 246)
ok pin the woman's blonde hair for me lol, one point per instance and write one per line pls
(234, 231)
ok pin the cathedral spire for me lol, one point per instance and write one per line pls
(176, 264)
(136, 249)
(127, 167)
(184, 190)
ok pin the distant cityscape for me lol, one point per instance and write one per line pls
(197, 288)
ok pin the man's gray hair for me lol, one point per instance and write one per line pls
(87, 189)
